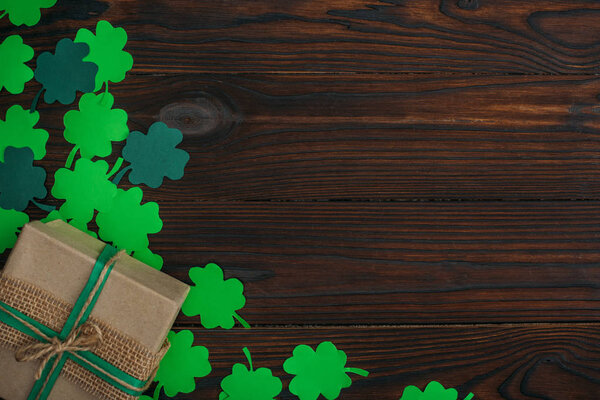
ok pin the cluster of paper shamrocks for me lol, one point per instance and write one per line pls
(89, 187)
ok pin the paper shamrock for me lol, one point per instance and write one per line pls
(64, 73)
(10, 223)
(13, 71)
(55, 214)
(20, 181)
(127, 223)
(248, 384)
(216, 300)
(149, 258)
(155, 155)
(22, 12)
(321, 372)
(93, 129)
(85, 189)
(18, 131)
(106, 51)
(182, 363)
(433, 391)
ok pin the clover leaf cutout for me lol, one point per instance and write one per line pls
(128, 223)
(63, 73)
(155, 155)
(18, 131)
(149, 258)
(106, 51)
(11, 221)
(24, 12)
(182, 363)
(433, 391)
(20, 181)
(13, 71)
(261, 383)
(84, 190)
(317, 372)
(95, 126)
(216, 300)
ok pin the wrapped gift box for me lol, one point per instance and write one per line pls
(44, 277)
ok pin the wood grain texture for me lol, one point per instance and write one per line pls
(264, 137)
(483, 36)
(555, 362)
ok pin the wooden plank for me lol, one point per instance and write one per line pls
(494, 362)
(479, 36)
(258, 137)
(394, 263)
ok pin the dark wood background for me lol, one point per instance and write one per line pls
(416, 180)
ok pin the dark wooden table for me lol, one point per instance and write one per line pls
(415, 180)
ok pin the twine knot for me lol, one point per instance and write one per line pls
(85, 338)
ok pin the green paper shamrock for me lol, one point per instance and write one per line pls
(182, 363)
(321, 372)
(20, 181)
(13, 71)
(85, 189)
(64, 73)
(18, 131)
(216, 300)
(244, 384)
(155, 155)
(148, 257)
(106, 51)
(433, 391)
(25, 12)
(128, 223)
(11, 221)
(93, 129)
(55, 214)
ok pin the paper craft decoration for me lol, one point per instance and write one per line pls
(20, 181)
(106, 51)
(14, 73)
(318, 372)
(433, 391)
(155, 155)
(64, 73)
(10, 223)
(18, 131)
(244, 383)
(215, 299)
(182, 363)
(95, 126)
(24, 12)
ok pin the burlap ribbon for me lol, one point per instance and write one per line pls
(76, 341)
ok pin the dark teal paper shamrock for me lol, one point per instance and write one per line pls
(20, 181)
(155, 155)
(64, 73)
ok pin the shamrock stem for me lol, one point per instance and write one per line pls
(121, 174)
(248, 357)
(469, 396)
(36, 99)
(357, 371)
(115, 168)
(241, 320)
(3, 14)
(157, 391)
(43, 207)
(71, 157)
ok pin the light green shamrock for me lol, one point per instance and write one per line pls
(248, 384)
(13, 71)
(95, 126)
(24, 12)
(321, 372)
(182, 363)
(127, 223)
(149, 258)
(85, 189)
(10, 223)
(55, 214)
(106, 51)
(18, 131)
(216, 300)
(433, 391)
